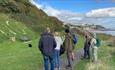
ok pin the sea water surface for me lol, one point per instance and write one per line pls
(107, 32)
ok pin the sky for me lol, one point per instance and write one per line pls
(81, 6)
(100, 12)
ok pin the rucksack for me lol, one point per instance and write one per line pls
(98, 43)
(74, 38)
(62, 49)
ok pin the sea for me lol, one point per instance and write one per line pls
(107, 32)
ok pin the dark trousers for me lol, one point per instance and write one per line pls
(69, 59)
(86, 52)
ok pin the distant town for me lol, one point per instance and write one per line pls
(90, 27)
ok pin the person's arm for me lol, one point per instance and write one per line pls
(61, 41)
(54, 43)
(91, 43)
(95, 42)
(40, 45)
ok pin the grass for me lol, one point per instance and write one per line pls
(10, 28)
(106, 60)
(80, 43)
(18, 56)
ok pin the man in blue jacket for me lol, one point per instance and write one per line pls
(47, 45)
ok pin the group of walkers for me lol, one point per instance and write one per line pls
(91, 45)
(52, 45)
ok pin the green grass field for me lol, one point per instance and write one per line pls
(18, 56)
(106, 60)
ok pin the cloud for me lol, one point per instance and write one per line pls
(97, 16)
(105, 12)
(46, 8)
(34, 2)
(55, 12)
(51, 11)
(75, 18)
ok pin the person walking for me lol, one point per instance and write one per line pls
(87, 47)
(47, 45)
(68, 47)
(95, 43)
(57, 50)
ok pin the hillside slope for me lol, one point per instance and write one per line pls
(11, 28)
(24, 11)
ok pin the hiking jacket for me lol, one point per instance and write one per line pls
(68, 43)
(47, 44)
(93, 43)
(87, 43)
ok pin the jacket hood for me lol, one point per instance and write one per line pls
(46, 33)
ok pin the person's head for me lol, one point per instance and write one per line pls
(67, 27)
(67, 30)
(86, 34)
(56, 33)
(94, 35)
(48, 30)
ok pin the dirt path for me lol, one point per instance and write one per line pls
(78, 55)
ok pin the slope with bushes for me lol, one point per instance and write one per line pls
(18, 17)
(24, 11)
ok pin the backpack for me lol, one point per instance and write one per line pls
(62, 50)
(74, 38)
(98, 43)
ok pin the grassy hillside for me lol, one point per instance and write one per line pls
(24, 11)
(12, 28)
(20, 17)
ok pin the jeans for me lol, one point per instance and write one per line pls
(46, 63)
(57, 58)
